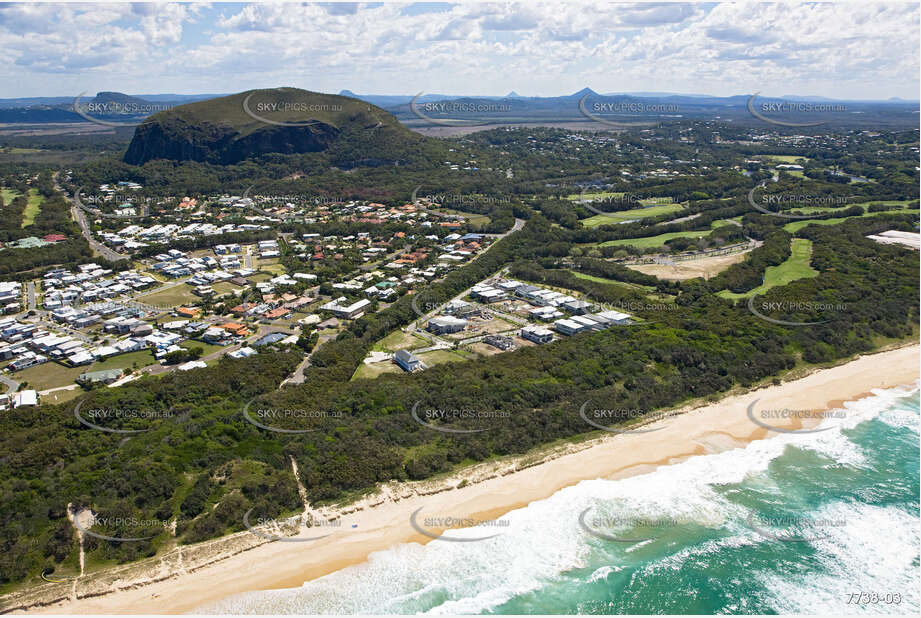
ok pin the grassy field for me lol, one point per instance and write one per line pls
(795, 267)
(173, 297)
(654, 241)
(796, 226)
(634, 213)
(33, 207)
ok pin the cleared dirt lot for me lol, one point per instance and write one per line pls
(679, 271)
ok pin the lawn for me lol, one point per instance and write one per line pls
(634, 213)
(173, 297)
(33, 207)
(797, 266)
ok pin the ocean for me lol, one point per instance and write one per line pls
(814, 523)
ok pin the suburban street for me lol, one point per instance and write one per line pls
(77, 212)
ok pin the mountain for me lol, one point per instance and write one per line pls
(582, 93)
(230, 129)
(118, 99)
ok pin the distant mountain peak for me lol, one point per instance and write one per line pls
(584, 92)
(513, 95)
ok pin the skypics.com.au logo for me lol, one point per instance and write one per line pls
(770, 204)
(429, 416)
(289, 530)
(625, 529)
(118, 529)
(262, 106)
(472, 525)
(116, 113)
(792, 308)
(624, 114)
(618, 203)
(101, 418)
(269, 418)
(604, 418)
(793, 113)
(769, 418)
(460, 113)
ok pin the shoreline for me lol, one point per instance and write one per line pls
(491, 490)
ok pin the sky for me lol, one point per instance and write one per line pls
(856, 50)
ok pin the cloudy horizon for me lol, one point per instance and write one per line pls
(844, 50)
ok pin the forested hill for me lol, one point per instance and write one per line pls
(281, 120)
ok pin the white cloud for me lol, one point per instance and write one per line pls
(546, 48)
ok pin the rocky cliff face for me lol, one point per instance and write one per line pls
(159, 138)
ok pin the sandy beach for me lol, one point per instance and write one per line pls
(383, 520)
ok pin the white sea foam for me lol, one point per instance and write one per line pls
(544, 540)
(876, 551)
(603, 572)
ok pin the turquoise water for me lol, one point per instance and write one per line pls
(794, 524)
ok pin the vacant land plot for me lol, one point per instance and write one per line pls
(60, 396)
(139, 358)
(372, 370)
(207, 348)
(172, 297)
(398, 340)
(704, 267)
(484, 349)
(47, 375)
(796, 267)
(436, 357)
(479, 326)
(33, 207)
(224, 287)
